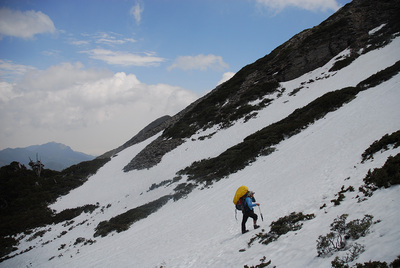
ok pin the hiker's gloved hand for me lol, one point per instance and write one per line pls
(258, 204)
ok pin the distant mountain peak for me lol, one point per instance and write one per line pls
(53, 155)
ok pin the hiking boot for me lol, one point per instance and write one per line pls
(256, 226)
(245, 231)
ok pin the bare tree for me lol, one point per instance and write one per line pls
(36, 166)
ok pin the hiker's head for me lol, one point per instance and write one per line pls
(251, 193)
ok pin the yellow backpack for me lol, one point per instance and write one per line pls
(237, 199)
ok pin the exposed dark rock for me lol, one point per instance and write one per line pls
(153, 154)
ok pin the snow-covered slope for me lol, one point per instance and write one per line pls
(305, 172)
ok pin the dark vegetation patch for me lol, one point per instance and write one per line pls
(340, 64)
(24, 198)
(382, 145)
(8, 243)
(340, 195)
(123, 221)
(209, 136)
(380, 77)
(36, 235)
(165, 183)
(263, 263)
(157, 185)
(69, 214)
(84, 241)
(182, 190)
(296, 90)
(338, 263)
(386, 176)
(292, 222)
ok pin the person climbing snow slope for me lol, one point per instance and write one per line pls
(249, 212)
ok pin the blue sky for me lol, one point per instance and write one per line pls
(92, 73)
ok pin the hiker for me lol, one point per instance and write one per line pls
(248, 211)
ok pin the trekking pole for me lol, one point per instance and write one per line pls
(262, 218)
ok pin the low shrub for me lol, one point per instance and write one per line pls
(289, 223)
(341, 233)
(353, 254)
(380, 76)
(340, 64)
(182, 190)
(335, 240)
(386, 176)
(339, 263)
(36, 235)
(340, 195)
(261, 265)
(282, 226)
(123, 221)
(157, 185)
(84, 241)
(382, 144)
(359, 227)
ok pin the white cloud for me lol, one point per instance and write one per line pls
(90, 110)
(109, 38)
(6, 92)
(199, 62)
(123, 58)
(24, 24)
(112, 39)
(52, 52)
(80, 42)
(225, 77)
(312, 5)
(11, 71)
(136, 12)
(59, 77)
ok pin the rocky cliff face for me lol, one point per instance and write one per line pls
(349, 28)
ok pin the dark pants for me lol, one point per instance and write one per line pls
(246, 215)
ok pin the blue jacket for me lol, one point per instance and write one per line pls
(249, 203)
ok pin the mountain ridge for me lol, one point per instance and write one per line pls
(305, 51)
